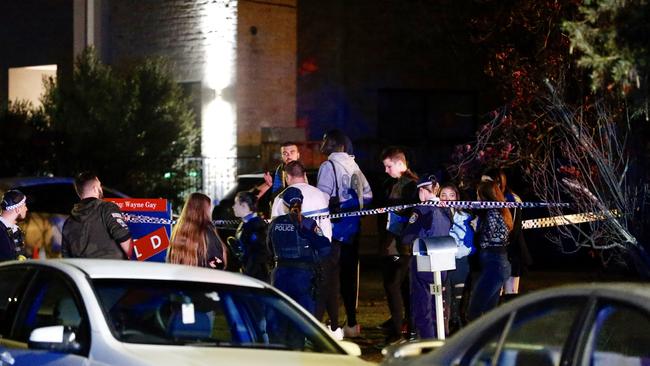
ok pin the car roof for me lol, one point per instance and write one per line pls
(134, 270)
(20, 182)
(11, 182)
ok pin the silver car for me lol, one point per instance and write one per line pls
(103, 312)
(579, 325)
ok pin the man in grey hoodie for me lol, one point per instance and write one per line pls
(95, 228)
(341, 178)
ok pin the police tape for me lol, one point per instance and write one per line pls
(470, 205)
(571, 219)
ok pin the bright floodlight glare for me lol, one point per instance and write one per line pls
(219, 118)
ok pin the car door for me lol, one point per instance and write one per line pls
(617, 334)
(540, 334)
(50, 299)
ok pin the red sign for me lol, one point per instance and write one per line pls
(150, 244)
(140, 204)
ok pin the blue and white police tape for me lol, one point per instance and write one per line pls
(473, 205)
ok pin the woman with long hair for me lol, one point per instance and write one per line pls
(494, 228)
(195, 241)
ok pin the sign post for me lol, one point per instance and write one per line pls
(150, 240)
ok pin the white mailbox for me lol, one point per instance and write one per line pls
(435, 254)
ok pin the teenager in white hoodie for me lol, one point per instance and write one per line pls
(341, 178)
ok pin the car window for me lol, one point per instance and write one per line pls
(619, 336)
(50, 198)
(12, 283)
(56, 198)
(188, 313)
(536, 335)
(53, 302)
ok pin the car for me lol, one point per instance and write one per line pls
(109, 312)
(592, 324)
(50, 200)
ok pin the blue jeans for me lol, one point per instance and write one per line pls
(495, 270)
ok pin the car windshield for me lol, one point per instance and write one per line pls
(207, 314)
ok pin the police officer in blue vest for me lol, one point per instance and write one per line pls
(299, 246)
(425, 222)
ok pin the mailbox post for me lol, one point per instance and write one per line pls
(435, 255)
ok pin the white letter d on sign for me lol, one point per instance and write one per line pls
(155, 242)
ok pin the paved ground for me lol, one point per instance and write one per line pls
(373, 310)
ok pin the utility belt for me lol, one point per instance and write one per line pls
(294, 263)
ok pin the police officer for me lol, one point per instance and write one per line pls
(298, 245)
(249, 242)
(425, 222)
(14, 209)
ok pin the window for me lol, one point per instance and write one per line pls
(536, 336)
(12, 281)
(187, 313)
(53, 302)
(619, 336)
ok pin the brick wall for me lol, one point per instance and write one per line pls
(264, 47)
(266, 74)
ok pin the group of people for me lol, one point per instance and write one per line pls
(315, 259)
(494, 233)
(94, 229)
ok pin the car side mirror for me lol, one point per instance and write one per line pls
(57, 338)
(350, 348)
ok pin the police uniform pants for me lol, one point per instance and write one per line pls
(297, 283)
(423, 306)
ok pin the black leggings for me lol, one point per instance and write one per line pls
(349, 279)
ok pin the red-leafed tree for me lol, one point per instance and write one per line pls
(569, 140)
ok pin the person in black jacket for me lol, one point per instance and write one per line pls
(400, 190)
(95, 228)
(14, 209)
(250, 239)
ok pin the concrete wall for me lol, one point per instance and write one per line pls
(34, 32)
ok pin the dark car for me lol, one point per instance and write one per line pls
(578, 325)
(49, 200)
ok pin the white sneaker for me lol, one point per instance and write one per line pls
(352, 332)
(337, 334)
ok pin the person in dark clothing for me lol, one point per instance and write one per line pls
(195, 241)
(14, 210)
(518, 253)
(95, 228)
(250, 238)
(494, 228)
(425, 222)
(299, 246)
(402, 189)
(277, 182)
